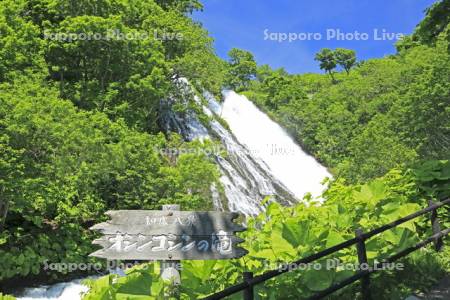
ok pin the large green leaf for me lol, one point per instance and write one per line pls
(394, 211)
(202, 269)
(371, 193)
(334, 238)
(294, 232)
(317, 280)
(136, 284)
(281, 246)
(401, 237)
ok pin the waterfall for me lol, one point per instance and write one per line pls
(269, 143)
(245, 178)
(261, 159)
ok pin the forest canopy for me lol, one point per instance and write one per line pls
(80, 120)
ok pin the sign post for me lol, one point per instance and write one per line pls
(170, 269)
(169, 235)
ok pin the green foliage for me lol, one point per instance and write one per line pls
(184, 6)
(436, 23)
(140, 283)
(386, 113)
(280, 90)
(64, 167)
(114, 56)
(327, 59)
(105, 74)
(81, 87)
(21, 48)
(208, 75)
(433, 179)
(284, 234)
(330, 59)
(242, 69)
(6, 297)
(345, 58)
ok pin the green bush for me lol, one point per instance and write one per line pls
(62, 168)
(285, 234)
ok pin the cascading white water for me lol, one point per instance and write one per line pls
(262, 160)
(268, 142)
(245, 178)
(60, 291)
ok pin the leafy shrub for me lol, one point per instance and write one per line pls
(62, 168)
(284, 234)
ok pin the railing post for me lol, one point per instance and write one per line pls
(248, 292)
(436, 227)
(363, 263)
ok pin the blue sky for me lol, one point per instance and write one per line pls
(243, 23)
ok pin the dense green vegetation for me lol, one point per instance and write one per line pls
(434, 25)
(66, 167)
(284, 234)
(81, 133)
(241, 69)
(384, 113)
(79, 121)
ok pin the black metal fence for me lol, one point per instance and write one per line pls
(250, 281)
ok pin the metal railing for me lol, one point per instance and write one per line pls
(250, 281)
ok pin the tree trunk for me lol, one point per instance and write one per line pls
(4, 206)
(332, 76)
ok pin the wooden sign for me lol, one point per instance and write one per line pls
(169, 235)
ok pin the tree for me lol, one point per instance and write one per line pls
(281, 89)
(242, 69)
(104, 74)
(121, 56)
(184, 6)
(327, 59)
(62, 167)
(263, 72)
(204, 69)
(20, 45)
(436, 21)
(10, 175)
(345, 58)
